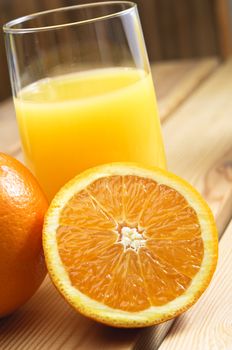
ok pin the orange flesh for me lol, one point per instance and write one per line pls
(125, 278)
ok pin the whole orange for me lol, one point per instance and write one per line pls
(22, 209)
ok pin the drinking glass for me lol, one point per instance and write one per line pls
(82, 90)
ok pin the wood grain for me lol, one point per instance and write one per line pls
(208, 324)
(224, 32)
(198, 141)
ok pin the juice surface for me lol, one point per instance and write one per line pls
(76, 121)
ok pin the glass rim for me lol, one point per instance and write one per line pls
(8, 27)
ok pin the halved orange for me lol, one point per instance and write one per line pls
(130, 246)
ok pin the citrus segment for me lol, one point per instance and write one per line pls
(109, 195)
(92, 273)
(83, 212)
(139, 244)
(127, 290)
(185, 255)
(164, 282)
(136, 192)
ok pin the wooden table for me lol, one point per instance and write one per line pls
(195, 101)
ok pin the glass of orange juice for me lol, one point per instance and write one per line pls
(83, 90)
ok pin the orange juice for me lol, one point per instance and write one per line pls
(72, 122)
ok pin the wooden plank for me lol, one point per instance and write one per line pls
(174, 82)
(224, 30)
(208, 324)
(204, 36)
(46, 321)
(149, 16)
